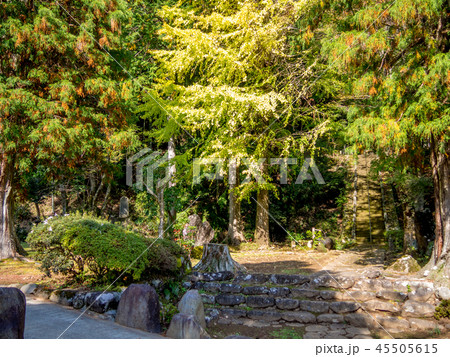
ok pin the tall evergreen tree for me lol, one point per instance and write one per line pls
(395, 55)
(62, 97)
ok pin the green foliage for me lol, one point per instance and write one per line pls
(443, 310)
(287, 333)
(396, 237)
(81, 245)
(167, 311)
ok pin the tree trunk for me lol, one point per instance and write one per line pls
(235, 234)
(409, 231)
(9, 244)
(38, 211)
(217, 258)
(160, 199)
(262, 218)
(440, 162)
(63, 199)
(172, 212)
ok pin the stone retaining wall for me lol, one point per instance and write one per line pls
(369, 301)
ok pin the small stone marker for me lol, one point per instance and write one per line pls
(124, 207)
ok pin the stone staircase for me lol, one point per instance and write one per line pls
(322, 305)
(369, 221)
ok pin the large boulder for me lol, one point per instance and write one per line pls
(443, 293)
(12, 313)
(201, 232)
(63, 297)
(205, 234)
(139, 308)
(405, 264)
(191, 304)
(101, 301)
(184, 326)
(28, 289)
(191, 228)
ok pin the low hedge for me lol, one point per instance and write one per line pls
(85, 246)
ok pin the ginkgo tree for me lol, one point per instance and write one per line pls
(63, 100)
(224, 80)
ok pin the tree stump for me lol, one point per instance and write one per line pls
(216, 258)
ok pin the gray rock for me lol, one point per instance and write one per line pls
(417, 309)
(63, 297)
(372, 274)
(360, 320)
(314, 306)
(139, 308)
(287, 304)
(78, 300)
(264, 315)
(100, 302)
(358, 331)
(12, 313)
(312, 336)
(238, 337)
(28, 289)
(255, 290)
(198, 285)
(331, 295)
(211, 287)
(298, 316)
(378, 305)
(342, 307)
(208, 299)
(337, 282)
(204, 235)
(111, 314)
(157, 284)
(219, 276)
(279, 291)
(317, 328)
(229, 299)
(305, 293)
(282, 279)
(422, 294)
(233, 313)
(230, 288)
(260, 301)
(443, 293)
(362, 337)
(359, 296)
(328, 243)
(251, 278)
(185, 326)
(392, 295)
(42, 293)
(393, 323)
(420, 324)
(187, 285)
(212, 315)
(191, 304)
(330, 318)
(258, 324)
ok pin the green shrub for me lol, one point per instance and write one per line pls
(84, 246)
(443, 310)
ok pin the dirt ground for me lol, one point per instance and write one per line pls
(279, 260)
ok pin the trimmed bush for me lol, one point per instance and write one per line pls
(83, 246)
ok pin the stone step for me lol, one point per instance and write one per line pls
(282, 284)
(354, 324)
